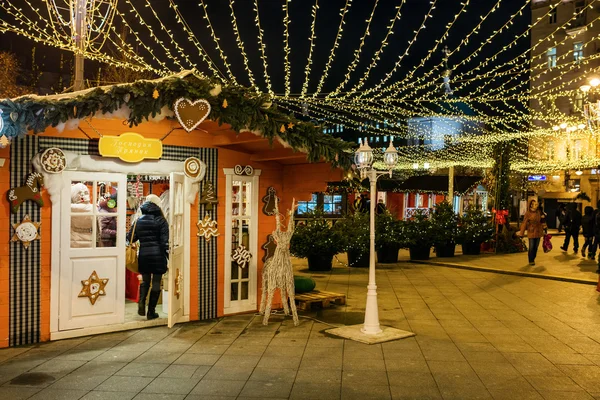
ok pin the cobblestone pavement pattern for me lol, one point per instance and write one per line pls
(480, 335)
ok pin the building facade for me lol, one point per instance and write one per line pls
(564, 54)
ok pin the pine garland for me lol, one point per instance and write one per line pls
(244, 109)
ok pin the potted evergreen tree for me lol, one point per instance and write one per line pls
(354, 229)
(317, 241)
(388, 237)
(473, 230)
(418, 236)
(445, 229)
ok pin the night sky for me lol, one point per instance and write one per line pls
(328, 18)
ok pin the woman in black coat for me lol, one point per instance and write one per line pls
(152, 230)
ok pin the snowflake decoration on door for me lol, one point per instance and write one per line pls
(207, 228)
(93, 287)
(241, 256)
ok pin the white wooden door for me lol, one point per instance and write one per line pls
(88, 251)
(177, 207)
(241, 229)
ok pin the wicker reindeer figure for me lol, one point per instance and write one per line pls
(278, 271)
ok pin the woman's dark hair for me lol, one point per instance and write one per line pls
(589, 210)
(531, 201)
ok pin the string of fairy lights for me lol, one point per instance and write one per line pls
(499, 97)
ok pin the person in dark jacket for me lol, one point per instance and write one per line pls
(592, 252)
(572, 224)
(152, 230)
(587, 227)
(561, 214)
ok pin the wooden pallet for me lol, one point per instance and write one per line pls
(305, 301)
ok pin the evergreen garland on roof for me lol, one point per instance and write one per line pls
(245, 109)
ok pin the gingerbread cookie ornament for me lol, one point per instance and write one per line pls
(26, 231)
(269, 247)
(269, 199)
(190, 114)
(53, 160)
(31, 190)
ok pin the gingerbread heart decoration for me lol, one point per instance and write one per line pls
(191, 114)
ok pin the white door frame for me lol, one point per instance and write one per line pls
(251, 303)
(160, 167)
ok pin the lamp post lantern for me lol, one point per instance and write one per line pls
(371, 331)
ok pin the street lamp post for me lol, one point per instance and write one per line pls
(371, 331)
(364, 160)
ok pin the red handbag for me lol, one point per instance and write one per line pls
(547, 244)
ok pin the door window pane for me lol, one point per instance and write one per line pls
(234, 291)
(107, 231)
(244, 293)
(246, 196)
(235, 198)
(234, 270)
(82, 231)
(82, 219)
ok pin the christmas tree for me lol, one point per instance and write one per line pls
(208, 195)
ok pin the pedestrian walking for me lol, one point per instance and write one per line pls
(561, 214)
(587, 228)
(152, 230)
(532, 222)
(572, 224)
(592, 252)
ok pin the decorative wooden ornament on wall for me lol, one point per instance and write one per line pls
(191, 114)
(240, 170)
(269, 199)
(207, 228)
(26, 231)
(53, 160)
(30, 191)
(93, 287)
(269, 247)
(208, 195)
(194, 168)
(241, 256)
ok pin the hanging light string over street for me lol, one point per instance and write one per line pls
(311, 40)
(335, 46)
(286, 46)
(217, 45)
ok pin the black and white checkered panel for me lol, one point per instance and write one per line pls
(207, 251)
(78, 146)
(25, 264)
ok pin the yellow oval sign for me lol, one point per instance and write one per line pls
(130, 147)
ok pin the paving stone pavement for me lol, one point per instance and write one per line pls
(479, 335)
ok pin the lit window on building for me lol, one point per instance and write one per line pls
(332, 204)
(579, 14)
(377, 139)
(306, 206)
(578, 101)
(578, 52)
(551, 54)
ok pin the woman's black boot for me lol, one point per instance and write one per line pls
(142, 300)
(152, 305)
